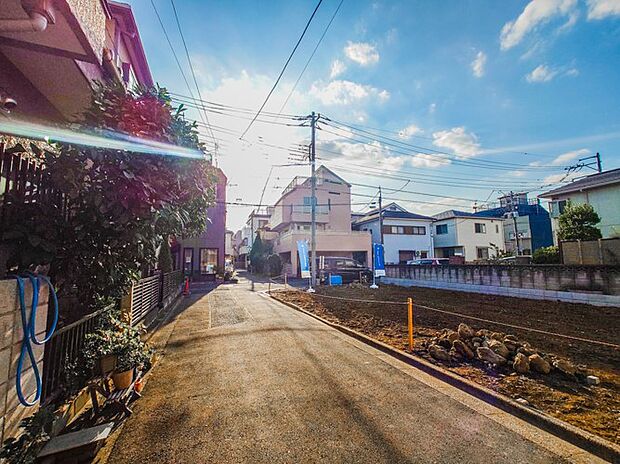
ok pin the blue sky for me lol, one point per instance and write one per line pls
(533, 85)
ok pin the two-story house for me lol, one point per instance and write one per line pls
(459, 233)
(291, 219)
(601, 190)
(406, 236)
(202, 256)
(51, 52)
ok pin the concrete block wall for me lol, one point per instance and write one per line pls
(11, 335)
(600, 283)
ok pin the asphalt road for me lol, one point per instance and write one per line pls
(246, 379)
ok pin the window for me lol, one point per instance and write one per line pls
(208, 260)
(441, 229)
(557, 207)
(188, 259)
(423, 254)
(482, 253)
(404, 230)
(405, 255)
(497, 228)
(480, 228)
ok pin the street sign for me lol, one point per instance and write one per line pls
(378, 260)
(304, 259)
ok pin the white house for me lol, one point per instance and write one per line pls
(458, 233)
(406, 235)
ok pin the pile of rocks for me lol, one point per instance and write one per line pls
(498, 349)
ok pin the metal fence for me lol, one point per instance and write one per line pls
(63, 350)
(171, 284)
(152, 293)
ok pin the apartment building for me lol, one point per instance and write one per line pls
(533, 223)
(459, 233)
(291, 219)
(406, 236)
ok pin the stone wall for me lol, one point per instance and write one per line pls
(11, 334)
(585, 284)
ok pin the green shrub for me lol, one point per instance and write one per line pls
(546, 255)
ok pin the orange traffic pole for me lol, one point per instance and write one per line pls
(410, 320)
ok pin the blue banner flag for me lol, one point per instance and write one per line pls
(378, 259)
(304, 259)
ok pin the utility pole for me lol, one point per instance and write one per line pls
(599, 165)
(380, 216)
(313, 203)
(514, 208)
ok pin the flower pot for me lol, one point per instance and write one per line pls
(107, 363)
(122, 379)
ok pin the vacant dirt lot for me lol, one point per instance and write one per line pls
(593, 408)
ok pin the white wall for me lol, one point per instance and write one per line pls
(393, 243)
(470, 240)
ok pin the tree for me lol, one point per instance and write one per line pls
(258, 254)
(578, 222)
(164, 259)
(118, 204)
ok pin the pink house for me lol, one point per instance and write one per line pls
(51, 51)
(291, 218)
(200, 256)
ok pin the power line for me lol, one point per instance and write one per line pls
(283, 69)
(311, 56)
(174, 53)
(485, 164)
(399, 143)
(191, 67)
(399, 133)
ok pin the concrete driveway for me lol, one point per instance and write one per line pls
(246, 379)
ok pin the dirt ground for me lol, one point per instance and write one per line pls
(592, 408)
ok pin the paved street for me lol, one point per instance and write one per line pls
(246, 379)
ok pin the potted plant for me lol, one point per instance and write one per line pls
(115, 347)
(133, 354)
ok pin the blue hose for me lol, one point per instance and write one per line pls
(29, 327)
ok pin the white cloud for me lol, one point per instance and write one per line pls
(544, 73)
(536, 13)
(343, 92)
(425, 160)
(556, 178)
(477, 66)
(568, 156)
(338, 67)
(460, 142)
(362, 53)
(541, 73)
(409, 131)
(371, 154)
(599, 9)
(432, 108)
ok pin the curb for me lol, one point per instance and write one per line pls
(585, 440)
